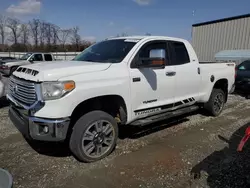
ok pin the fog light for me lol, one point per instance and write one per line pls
(45, 129)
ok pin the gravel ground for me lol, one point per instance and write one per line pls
(191, 151)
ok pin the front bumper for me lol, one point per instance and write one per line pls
(36, 128)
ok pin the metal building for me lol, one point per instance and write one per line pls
(209, 38)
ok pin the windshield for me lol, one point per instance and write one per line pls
(25, 56)
(113, 51)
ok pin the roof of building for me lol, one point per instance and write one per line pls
(232, 55)
(222, 20)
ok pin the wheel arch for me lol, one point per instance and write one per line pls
(13, 68)
(113, 104)
(223, 85)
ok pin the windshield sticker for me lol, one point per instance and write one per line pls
(132, 40)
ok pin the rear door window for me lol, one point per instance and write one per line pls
(48, 57)
(180, 54)
(38, 57)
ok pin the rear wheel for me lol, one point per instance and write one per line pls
(216, 102)
(94, 136)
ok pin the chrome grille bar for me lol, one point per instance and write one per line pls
(22, 91)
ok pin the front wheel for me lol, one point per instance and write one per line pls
(94, 136)
(216, 102)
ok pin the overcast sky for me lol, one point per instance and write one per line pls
(99, 19)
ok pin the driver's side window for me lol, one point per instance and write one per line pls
(144, 52)
(37, 57)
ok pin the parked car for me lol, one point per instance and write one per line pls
(242, 80)
(119, 81)
(7, 58)
(7, 67)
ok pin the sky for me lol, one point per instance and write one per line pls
(99, 19)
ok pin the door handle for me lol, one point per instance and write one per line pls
(170, 73)
(137, 79)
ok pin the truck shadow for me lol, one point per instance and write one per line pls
(135, 132)
(131, 132)
(227, 167)
(62, 149)
(4, 102)
(50, 148)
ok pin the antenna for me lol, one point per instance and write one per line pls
(193, 14)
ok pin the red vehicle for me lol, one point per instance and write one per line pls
(244, 139)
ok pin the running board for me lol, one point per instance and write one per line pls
(163, 116)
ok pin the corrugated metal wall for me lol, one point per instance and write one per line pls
(209, 39)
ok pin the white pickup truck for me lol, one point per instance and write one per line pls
(7, 67)
(118, 81)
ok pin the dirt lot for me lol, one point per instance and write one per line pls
(161, 155)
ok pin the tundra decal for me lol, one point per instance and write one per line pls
(147, 111)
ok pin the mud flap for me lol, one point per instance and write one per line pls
(243, 142)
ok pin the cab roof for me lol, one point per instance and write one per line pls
(141, 37)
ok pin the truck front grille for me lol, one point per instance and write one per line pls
(23, 91)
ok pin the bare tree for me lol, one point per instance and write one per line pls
(44, 36)
(34, 28)
(14, 25)
(24, 34)
(42, 32)
(48, 33)
(2, 28)
(64, 35)
(76, 38)
(55, 34)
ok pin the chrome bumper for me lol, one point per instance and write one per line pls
(34, 127)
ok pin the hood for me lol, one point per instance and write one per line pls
(13, 62)
(54, 70)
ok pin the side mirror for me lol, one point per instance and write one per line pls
(31, 59)
(156, 59)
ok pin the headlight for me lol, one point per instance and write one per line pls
(56, 90)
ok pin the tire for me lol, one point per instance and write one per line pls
(212, 106)
(79, 139)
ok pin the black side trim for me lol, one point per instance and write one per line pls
(162, 116)
(163, 107)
